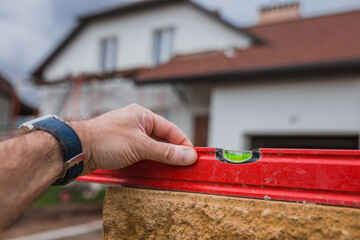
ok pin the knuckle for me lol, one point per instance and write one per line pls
(172, 128)
(134, 106)
(168, 152)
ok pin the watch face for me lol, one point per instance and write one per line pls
(30, 124)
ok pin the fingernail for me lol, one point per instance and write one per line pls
(187, 156)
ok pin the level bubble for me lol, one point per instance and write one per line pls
(237, 156)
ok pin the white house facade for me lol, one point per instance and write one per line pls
(293, 83)
(183, 29)
(135, 38)
(320, 107)
(300, 88)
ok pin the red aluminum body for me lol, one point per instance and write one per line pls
(318, 176)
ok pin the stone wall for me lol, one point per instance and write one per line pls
(131, 213)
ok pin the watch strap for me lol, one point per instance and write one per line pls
(71, 146)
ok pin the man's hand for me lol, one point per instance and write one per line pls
(31, 163)
(120, 138)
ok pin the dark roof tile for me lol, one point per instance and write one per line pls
(327, 39)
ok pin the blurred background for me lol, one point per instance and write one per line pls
(231, 74)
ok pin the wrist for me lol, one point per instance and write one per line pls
(70, 142)
(54, 155)
(83, 130)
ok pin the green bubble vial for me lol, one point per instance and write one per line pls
(237, 156)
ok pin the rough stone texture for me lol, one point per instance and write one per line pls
(131, 213)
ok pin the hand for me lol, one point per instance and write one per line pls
(120, 138)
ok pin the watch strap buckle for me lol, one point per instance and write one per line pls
(75, 160)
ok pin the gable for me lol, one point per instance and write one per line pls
(196, 30)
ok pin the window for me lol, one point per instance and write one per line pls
(163, 45)
(108, 54)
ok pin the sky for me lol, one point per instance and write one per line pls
(31, 29)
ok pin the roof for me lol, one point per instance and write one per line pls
(88, 77)
(125, 9)
(324, 42)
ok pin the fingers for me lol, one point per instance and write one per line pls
(164, 129)
(177, 151)
(169, 153)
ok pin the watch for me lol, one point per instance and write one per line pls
(69, 142)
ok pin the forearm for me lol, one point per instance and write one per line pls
(29, 164)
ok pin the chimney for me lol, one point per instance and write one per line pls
(279, 13)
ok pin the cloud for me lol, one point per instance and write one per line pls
(26, 29)
(31, 29)
(246, 13)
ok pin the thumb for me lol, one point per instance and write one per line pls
(171, 154)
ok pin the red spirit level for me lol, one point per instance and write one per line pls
(301, 175)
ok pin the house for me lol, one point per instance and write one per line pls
(12, 109)
(287, 82)
(106, 50)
